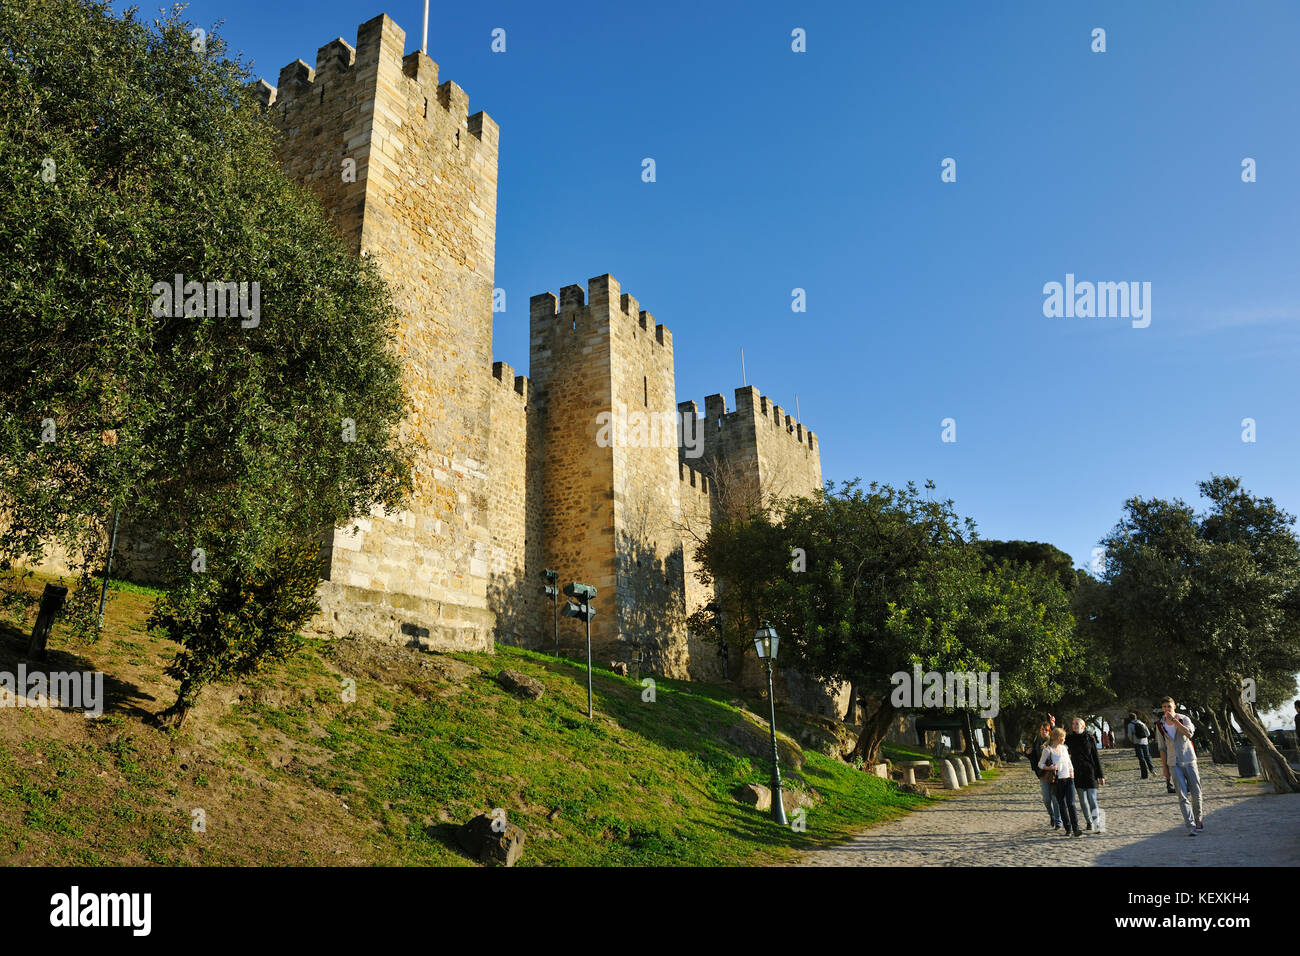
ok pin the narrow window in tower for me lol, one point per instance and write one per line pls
(575, 322)
(322, 93)
(645, 387)
(426, 107)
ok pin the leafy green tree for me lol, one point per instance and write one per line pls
(1036, 554)
(237, 622)
(740, 560)
(890, 581)
(1079, 683)
(1010, 619)
(1209, 601)
(134, 153)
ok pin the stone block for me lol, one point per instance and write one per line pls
(960, 770)
(484, 843)
(521, 685)
(950, 781)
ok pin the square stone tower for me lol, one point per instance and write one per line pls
(605, 415)
(411, 179)
(756, 453)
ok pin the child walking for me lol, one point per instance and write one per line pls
(1056, 760)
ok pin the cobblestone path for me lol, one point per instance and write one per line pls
(1002, 822)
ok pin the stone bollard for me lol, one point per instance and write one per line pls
(970, 768)
(959, 769)
(949, 776)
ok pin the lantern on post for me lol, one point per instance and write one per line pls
(766, 641)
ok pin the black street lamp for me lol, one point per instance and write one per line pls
(765, 642)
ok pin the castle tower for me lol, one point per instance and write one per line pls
(603, 388)
(411, 179)
(751, 456)
(756, 453)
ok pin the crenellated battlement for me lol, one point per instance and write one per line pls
(380, 45)
(569, 467)
(505, 375)
(755, 408)
(601, 296)
(697, 481)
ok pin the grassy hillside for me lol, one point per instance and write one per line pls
(287, 772)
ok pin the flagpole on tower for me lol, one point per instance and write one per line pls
(744, 379)
(424, 47)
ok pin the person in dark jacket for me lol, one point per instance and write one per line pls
(1140, 734)
(1087, 772)
(1049, 791)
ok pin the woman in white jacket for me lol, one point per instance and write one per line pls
(1056, 757)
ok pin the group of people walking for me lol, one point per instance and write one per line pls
(1069, 769)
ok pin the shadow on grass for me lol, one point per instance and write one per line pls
(688, 718)
(120, 697)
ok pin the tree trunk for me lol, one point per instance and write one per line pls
(1223, 749)
(1004, 744)
(875, 724)
(1276, 769)
(853, 702)
(174, 716)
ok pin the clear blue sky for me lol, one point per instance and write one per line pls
(821, 170)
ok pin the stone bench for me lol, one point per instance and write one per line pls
(913, 769)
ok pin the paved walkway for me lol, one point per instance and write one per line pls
(1002, 823)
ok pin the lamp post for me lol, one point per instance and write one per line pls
(765, 642)
(553, 592)
(583, 612)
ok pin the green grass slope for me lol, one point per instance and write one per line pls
(287, 770)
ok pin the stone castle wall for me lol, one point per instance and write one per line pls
(569, 361)
(512, 474)
(755, 453)
(424, 205)
(512, 591)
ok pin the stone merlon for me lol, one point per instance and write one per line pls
(602, 293)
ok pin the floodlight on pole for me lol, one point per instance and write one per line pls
(583, 612)
(552, 591)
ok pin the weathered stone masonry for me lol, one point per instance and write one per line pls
(510, 477)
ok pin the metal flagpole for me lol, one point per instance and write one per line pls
(424, 46)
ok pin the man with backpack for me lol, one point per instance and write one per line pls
(1140, 734)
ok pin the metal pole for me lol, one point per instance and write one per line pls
(587, 608)
(555, 610)
(778, 803)
(972, 743)
(112, 546)
(424, 46)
